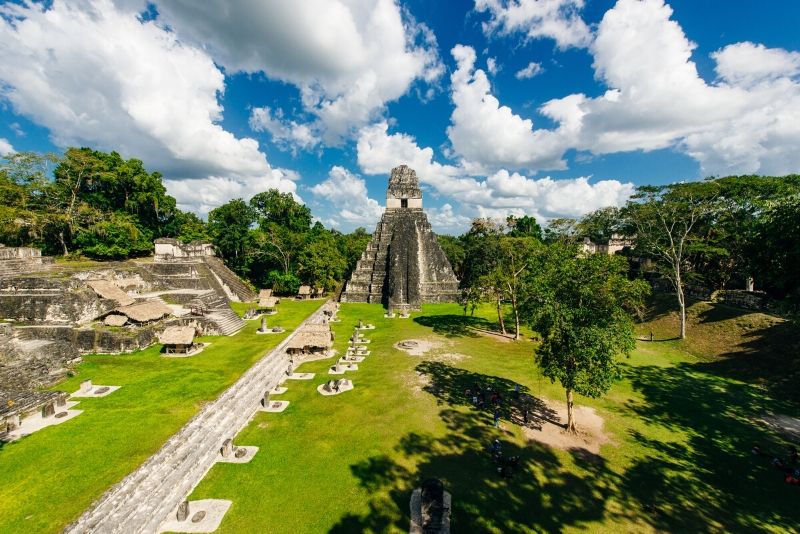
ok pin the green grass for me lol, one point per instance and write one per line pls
(679, 460)
(50, 477)
(682, 420)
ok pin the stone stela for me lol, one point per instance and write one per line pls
(403, 265)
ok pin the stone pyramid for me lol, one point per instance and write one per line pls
(403, 266)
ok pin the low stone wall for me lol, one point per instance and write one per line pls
(749, 300)
(93, 340)
(67, 307)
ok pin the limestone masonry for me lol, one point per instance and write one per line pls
(403, 266)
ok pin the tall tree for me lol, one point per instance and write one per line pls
(665, 219)
(229, 225)
(581, 307)
(516, 256)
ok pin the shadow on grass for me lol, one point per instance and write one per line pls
(711, 481)
(703, 478)
(540, 494)
(769, 356)
(455, 325)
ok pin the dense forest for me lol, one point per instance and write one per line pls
(717, 233)
(98, 205)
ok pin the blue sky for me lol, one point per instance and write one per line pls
(551, 108)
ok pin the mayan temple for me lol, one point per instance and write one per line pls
(403, 266)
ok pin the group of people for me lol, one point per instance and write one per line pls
(478, 395)
(505, 464)
(787, 464)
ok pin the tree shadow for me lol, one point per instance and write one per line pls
(454, 325)
(450, 385)
(769, 357)
(720, 312)
(711, 481)
(538, 492)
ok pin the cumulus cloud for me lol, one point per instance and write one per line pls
(748, 121)
(497, 195)
(533, 69)
(749, 63)
(553, 19)
(347, 194)
(96, 75)
(286, 134)
(5, 147)
(347, 58)
(489, 135)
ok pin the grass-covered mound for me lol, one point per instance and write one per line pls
(50, 477)
(679, 457)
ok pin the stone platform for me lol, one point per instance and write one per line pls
(144, 500)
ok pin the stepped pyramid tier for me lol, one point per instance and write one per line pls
(403, 265)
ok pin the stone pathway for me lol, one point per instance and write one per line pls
(146, 498)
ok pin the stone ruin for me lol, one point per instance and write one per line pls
(403, 265)
(430, 508)
(51, 313)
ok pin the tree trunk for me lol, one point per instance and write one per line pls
(516, 317)
(681, 302)
(570, 418)
(500, 317)
(63, 243)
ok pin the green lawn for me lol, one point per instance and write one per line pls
(49, 478)
(681, 429)
(682, 422)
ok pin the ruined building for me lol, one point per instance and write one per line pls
(403, 266)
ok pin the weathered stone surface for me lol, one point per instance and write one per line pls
(227, 448)
(403, 265)
(183, 511)
(199, 516)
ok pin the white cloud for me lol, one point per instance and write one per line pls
(347, 193)
(748, 63)
(533, 69)
(553, 19)
(498, 195)
(95, 75)
(657, 98)
(447, 221)
(348, 58)
(489, 135)
(5, 147)
(491, 66)
(746, 122)
(286, 134)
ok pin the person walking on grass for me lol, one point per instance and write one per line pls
(496, 419)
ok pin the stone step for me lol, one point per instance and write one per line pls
(141, 501)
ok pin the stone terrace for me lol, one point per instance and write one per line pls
(145, 498)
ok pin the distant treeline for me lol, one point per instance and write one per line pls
(717, 233)
(94, 204)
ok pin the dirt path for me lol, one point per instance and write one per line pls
(546, 425)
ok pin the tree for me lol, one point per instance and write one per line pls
(229, 225)
(581, 307)
(778, 233)
(516, 254)
(601, 224)
(665, 218)
(274, 207)
(455, 252)
(320, 263)
(563, 230)
(525, 226)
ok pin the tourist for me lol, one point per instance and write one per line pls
(496, 419)
(651, 335)
(525, 416)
